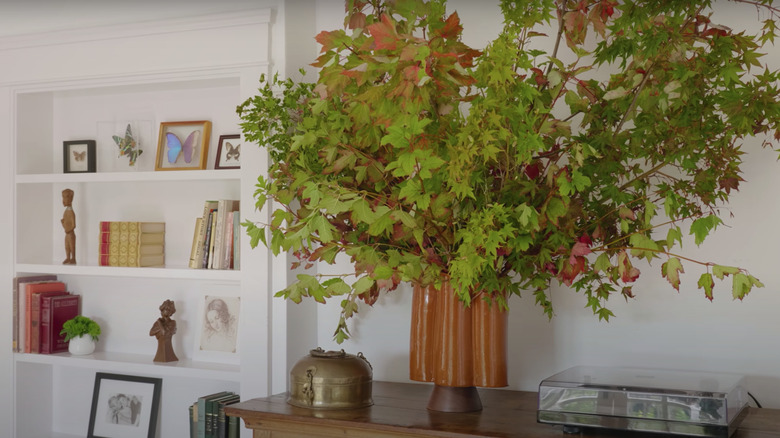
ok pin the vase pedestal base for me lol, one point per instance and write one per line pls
(454, 399)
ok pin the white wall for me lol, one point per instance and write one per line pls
(660, 328)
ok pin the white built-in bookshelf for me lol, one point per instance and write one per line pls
(198, 69)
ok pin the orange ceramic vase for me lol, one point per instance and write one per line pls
(456, 347)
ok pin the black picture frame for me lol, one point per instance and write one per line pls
(78, 156)
(120, 402)
(228, 154)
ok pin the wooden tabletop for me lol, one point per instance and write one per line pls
(400, 410)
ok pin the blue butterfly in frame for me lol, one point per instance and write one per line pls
(176, 147)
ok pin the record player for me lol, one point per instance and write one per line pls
(648, 400)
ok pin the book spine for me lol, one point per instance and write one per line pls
(30, 290)
(208, 206)
(35, 321)
(227, 249)
(201, 425)
(124, 245)
(151, 227)
(214, 232)
(45, 325)
(207, 240)
(236, 241)
(194, 250)
(233, 427)
(63, 308)
(193, 420)
(209, 419)
(151, 249)
(218, 236)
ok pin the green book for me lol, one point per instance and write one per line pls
(221, 427)
(233, 427)
(212, 413)
(202, 412)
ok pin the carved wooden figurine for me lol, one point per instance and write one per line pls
(164, 329)
(69, 224)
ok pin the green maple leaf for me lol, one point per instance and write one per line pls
(721, 271)
(701, 227)
(362, 285)
(730, 73)
(671, 270)
(707, 283)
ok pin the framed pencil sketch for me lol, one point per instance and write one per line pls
(228, 152)
(217, 337)
(78, 156)
(183, 145)
(124, 406)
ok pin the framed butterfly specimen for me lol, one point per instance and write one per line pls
(183, 145)
(78, 156)
(128, 145)
(228, 152)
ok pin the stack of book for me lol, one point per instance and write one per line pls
(207, 416)
(134, 244)
(216, 236)
(42, 304)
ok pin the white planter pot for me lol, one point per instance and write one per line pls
(81, 345)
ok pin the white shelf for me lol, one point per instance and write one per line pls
(181, 84)
(136, 363)
(188, 175)
(111, 271)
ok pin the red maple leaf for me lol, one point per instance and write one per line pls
(533, 170)
(325, 39)
(578, 250)
(383, 33)
(357, 20)
(628, 273)
(539, 76)
(728, 184)
(452, 27)
(571, 270)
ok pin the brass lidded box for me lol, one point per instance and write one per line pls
(331, 380)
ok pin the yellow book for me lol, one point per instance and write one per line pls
(131, 243)
(194, 260)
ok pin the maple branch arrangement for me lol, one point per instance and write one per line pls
(506, 169)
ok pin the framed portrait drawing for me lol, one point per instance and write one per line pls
(228, 152)
(217, 338)
(183, 145)
(124, 406)
(78, 156)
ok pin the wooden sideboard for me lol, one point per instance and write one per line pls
(399, 411)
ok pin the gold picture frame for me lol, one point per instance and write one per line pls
(183, 145)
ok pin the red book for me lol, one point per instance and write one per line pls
(55, 310)
(31, 288)
(19, 306)
(35, 314)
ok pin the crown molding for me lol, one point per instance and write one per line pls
(137, 29)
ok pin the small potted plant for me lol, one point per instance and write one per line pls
(81, 333)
